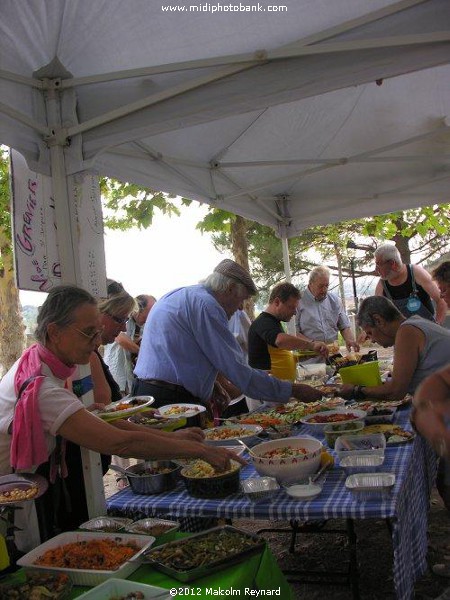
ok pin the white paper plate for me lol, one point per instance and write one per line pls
(114, 588)
(242, 432)
(186, 410)
(236, 400)
(111, 414)
(22, 481)
(88, 577)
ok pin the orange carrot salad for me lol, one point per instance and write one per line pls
(105, 555)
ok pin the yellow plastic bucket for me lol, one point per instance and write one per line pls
(366, 374)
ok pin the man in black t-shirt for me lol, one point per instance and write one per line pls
(410, 287)
(267, 341)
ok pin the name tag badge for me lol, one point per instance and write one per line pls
(413, 304)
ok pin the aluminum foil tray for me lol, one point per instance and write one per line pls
(106, 524)
(370, 484)
(156, 556)
(361, 464)
(260, 488)
(152, 526)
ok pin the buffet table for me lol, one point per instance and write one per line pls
(406, 507)
(259, 572)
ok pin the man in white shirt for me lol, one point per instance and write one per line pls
(320, 314)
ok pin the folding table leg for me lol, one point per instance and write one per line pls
(353, 567)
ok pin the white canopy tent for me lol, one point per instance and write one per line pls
(302, 113)
(327, 110)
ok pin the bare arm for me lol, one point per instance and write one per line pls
(126, 342)
(89, 431)
(350, 341)
(408, 343)
(379, 288)
(229, 387)
(431, 405)
(424, 279)
(101, 390)
(305, 393)
(299, 341)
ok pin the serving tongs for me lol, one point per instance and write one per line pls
(327, 465)
(249, 450)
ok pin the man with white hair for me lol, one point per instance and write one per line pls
(187, 343)
(320, 314)
(410, 287)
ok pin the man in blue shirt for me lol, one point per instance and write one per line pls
(187, 343)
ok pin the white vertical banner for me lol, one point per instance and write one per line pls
(35, 244)
(84, 191)
(34, 237)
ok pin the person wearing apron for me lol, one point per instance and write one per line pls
(269, 347)
(410, 287)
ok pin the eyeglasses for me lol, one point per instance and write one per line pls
(118, 320)
(90, 336)
(382, 263)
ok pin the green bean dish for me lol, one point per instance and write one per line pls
(196, 555)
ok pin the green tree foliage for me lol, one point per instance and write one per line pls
(127, 205)
(5, 215)
(418, 233)
(11, 326)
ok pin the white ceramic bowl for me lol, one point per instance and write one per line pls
(282, 469)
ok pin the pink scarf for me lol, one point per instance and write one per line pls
(28, 445)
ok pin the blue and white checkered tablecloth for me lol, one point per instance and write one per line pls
(414, 465)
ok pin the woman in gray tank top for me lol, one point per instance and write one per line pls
(421, 347)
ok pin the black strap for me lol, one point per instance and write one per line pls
(25, 385)
(415, 291)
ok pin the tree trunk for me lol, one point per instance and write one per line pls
(239, 248)
(402, 243)
(12, 329)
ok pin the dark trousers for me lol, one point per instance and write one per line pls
(63, 507)
(163, 395)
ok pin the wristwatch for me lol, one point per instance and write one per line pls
(358, 393)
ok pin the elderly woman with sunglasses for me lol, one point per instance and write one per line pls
(114, 314)
(36, 407)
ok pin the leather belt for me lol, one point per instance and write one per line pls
(164, 384)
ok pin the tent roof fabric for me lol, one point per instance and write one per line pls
(325, 111)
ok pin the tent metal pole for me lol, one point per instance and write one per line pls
(23, 118)
(287, 271)
(70, 267)
(65, 222)
(282, 202)
(153, 99)
(343, 162)
(325, 161)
